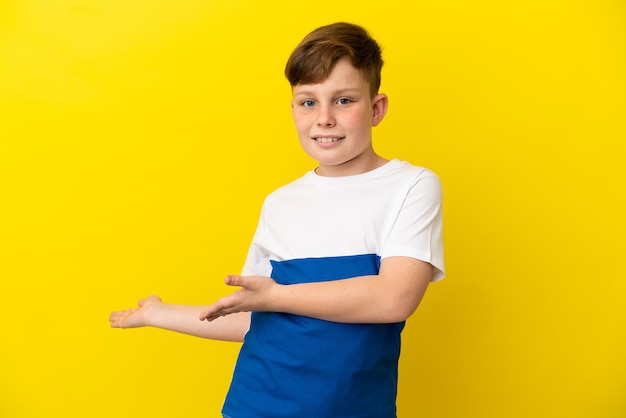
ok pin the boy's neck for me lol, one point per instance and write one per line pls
(351, 168)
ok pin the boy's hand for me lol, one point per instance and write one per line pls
(257, 293)
(134, 317)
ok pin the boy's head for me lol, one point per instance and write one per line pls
(315, 57)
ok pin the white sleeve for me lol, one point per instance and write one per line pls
(417, 229)
(257, 261)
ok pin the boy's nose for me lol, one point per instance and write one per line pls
(325, 117)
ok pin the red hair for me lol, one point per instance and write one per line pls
(315, 57)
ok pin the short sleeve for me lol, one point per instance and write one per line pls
(417, 229)
(257, 261)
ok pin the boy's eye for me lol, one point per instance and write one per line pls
(344, 101)
(308, 103)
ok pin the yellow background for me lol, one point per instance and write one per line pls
(138, 139)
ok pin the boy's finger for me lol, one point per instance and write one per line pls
(233, 280)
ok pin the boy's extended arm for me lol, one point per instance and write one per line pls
(152, 311)
(391, 296)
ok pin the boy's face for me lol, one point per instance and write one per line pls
(334, 120)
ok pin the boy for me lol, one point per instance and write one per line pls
(340, 259)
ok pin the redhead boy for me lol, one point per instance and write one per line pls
(340, 259)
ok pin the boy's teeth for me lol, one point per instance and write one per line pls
(326, 140)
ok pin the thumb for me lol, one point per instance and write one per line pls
(152, 298)
(234, 280)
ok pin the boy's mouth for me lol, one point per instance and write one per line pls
(327, 139)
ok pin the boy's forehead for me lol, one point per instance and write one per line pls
(343, 78)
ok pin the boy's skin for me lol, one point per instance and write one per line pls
(334, 120)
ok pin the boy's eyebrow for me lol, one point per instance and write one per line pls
(336, 93)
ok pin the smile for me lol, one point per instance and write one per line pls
(326, 140)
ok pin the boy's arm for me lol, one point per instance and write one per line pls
(152, 311)
(391, 296)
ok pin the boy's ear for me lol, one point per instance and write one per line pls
(379, 108)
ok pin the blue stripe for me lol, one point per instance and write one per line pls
(305, 270)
